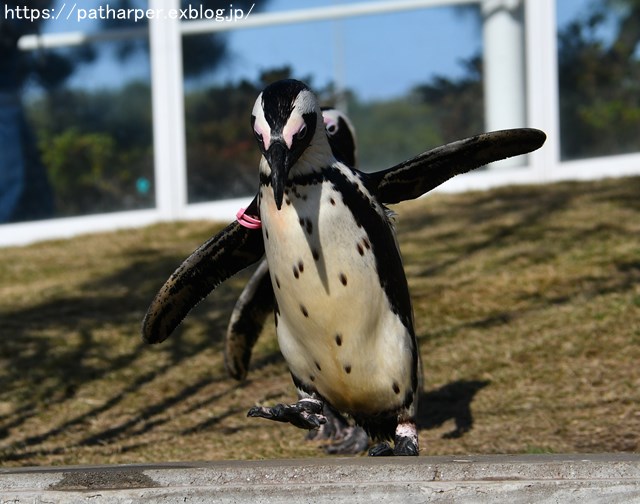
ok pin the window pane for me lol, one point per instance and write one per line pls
(599, 77)
(404, 84)
(75, 125)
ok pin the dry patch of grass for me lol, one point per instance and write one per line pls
(527, 305)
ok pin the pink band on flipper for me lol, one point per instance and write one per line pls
(248, 221)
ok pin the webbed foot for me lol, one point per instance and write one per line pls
(305, 414)
(406, 442)
(345, 438)
(353, 440)
(381, 450)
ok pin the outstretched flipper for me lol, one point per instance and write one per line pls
(423, 173)
(219, 258)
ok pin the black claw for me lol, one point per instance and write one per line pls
(305, 414)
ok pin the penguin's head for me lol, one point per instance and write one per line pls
(284, 120)
(342, 136)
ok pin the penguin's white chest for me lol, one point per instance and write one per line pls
(335, 326)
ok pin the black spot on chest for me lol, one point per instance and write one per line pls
(307, 224)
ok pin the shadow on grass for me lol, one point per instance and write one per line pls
(53, 348)
(450, 402)
(480, 228)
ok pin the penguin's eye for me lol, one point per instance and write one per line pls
(302, 132)
(332, 128)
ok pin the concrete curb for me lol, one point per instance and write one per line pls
(606, 478)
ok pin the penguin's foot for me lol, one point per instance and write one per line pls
(347, 439)
(353, 440)
(305, 414)
(381, 450)
(332, 429)
(406, 442)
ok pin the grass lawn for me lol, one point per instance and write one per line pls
(527, 307)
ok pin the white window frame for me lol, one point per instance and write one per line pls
(165, 37)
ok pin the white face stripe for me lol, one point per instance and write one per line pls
(305, 103)
(260, 125)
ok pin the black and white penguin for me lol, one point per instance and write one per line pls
(343, 310)
(256, 303)
(343, 313)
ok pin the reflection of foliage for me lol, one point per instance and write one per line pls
(458, 104)
(391, 131)
(221, 156)
(96, 146)
(89, 175)
(78, 166)
(600, 81)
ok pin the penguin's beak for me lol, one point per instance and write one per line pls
(279, 160)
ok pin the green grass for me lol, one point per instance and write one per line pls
(527, 306)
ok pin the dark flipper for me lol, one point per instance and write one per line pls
(421, 174)
(252, 308)
(220, 257)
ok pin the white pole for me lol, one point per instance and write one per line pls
(169, 144)
(504, 68)
(542, 78)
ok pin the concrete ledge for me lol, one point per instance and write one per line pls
(478, 479)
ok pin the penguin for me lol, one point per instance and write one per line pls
(343, 312)
(256, 302)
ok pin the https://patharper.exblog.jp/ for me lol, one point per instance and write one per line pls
(72, 11)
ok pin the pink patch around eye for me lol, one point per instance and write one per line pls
(291, 129)
(330, 125)
(263, 132)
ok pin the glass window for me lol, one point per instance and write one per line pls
(75, 121)
(403, 82)
(599, 77)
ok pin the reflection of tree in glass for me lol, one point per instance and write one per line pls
(97, 145)
(599, 84)
(599, 80)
